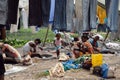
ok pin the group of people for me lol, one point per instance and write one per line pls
(83, 45)
(89, 45)
(80, 46)
(11, 55)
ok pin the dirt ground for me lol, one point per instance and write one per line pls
(42, 65)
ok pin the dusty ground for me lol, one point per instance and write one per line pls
(40, 65)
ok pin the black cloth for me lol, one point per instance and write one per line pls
(2, 26)
(102, 28)
(8, 27)
(2, 32)
(60, 15)
(45, 11)
(35, 14)
(9, 60)
(2, 67)
(20, 19)
(12, 11)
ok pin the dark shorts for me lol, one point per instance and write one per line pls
(2, 67)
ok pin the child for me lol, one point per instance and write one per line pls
(58, 43)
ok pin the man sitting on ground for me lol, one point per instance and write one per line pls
(95, 44)
(10, 54)
(29, 50)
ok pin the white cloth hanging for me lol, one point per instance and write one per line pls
(24, 19)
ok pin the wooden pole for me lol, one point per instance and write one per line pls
(106, 36)
(49, 26)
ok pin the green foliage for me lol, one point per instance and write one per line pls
(14, 42)
(74, 35)
(19, 38)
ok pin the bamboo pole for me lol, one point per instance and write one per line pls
(49, 27)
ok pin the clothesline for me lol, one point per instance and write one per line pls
(60, 13)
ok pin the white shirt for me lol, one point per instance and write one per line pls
(27, 47)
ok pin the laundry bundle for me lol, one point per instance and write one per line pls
(111, 45)
(57, 71)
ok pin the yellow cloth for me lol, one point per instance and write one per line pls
(101, 13)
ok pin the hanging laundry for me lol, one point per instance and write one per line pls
(60, 15)
(113, 16)
(78, 18)
(12, 11)
(52, 10)
(45, 11)
(89, 14)
(24, 18)
(35, 14)
(2, 32)
(14, 27)
(23, 5)
(101, 13)
(51, 15)
(3, 11)
(69, 14)
(107, 5)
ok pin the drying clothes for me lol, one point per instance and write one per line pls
(78, 18)
(107, 5)
(2, 32)
(35, 14)
(101, 28)
(3, 11)
(89, 14)
(69, 14)
(45, 11)
(60, 15)
(12, 11)
(24, 18)
(112, 23)
(52, 10)
(101, 13)
(23, 3)
(14, 27)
